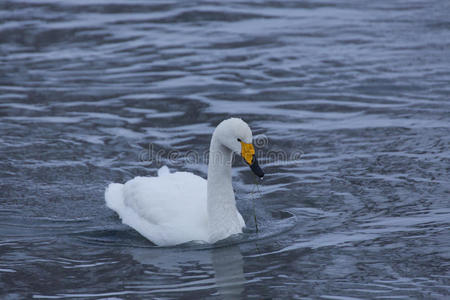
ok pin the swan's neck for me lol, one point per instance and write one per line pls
(222, 212)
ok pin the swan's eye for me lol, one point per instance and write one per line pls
(239, 140)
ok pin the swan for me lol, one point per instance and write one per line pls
(175, 208)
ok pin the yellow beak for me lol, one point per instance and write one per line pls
(247, 152)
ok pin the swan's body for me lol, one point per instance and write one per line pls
(178, 207)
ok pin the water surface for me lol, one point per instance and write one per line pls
(353, 94)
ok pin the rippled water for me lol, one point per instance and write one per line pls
(354, 94)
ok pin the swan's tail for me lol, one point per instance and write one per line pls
(114, 196)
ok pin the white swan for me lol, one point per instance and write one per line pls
(175, 208)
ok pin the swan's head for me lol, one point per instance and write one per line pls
(237, 136)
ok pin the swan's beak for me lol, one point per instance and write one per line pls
(248, 153)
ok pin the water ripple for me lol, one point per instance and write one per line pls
(351, 97)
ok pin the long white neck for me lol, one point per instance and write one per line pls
(222, 212)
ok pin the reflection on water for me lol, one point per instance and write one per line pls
(229, 273)
(220, 269)
(358, 88)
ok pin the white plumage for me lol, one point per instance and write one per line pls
(174, 208)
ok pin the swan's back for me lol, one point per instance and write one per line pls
(168, 209)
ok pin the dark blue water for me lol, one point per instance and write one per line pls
(350, 100)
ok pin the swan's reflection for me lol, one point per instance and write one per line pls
(167, 259)
(229, 271)
(227, 264)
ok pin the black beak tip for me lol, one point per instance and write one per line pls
(256, 168)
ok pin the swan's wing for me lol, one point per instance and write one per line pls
(167, 199)
(173, 205)
(168, 209)
(114, 197)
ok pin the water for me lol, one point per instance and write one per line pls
(353, 94)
